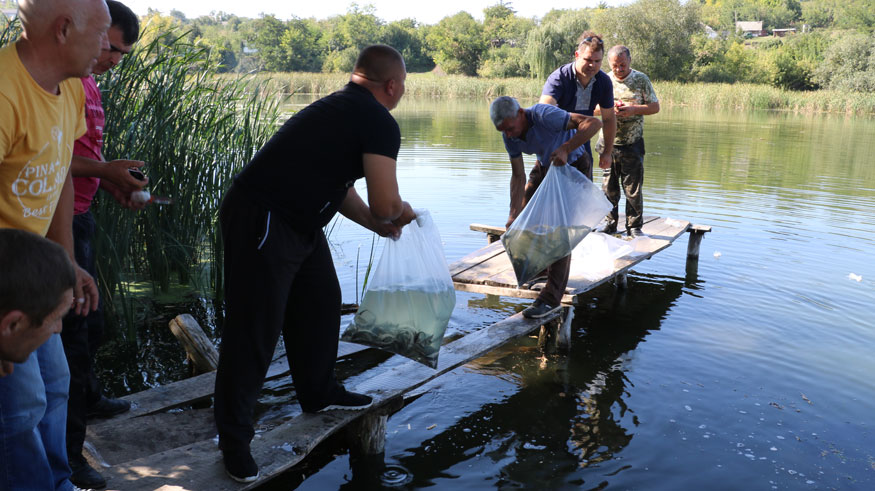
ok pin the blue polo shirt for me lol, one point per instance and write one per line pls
(547, 130)
(563, 86)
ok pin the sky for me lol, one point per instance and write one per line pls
(424, 11)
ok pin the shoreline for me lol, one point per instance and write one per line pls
(693, 95)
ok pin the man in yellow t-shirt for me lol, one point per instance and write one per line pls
(41, 115)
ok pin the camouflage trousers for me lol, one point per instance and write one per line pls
(627, 170)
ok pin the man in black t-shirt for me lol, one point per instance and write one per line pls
(279, 275)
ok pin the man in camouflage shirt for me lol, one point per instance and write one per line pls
(634, 98)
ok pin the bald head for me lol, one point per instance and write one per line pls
(62, 38)
(379, 63)
(381, 70)
(37, 16)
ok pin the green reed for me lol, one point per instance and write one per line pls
(711, 95)
(753, 96)
(165, 105)
(10, 29)
(418, 84)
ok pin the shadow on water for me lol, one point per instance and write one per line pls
(567, 412)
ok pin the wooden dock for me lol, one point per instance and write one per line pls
(488, 270)
(168, 440)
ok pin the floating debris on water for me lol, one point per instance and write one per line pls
(688, 408)
(717, 254)
(855, 277)
(431, 427)
(532, 446)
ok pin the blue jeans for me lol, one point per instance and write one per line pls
(33, 419)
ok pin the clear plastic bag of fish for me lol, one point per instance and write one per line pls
(564, 209)
(409, 298)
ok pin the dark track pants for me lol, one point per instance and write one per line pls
(277, 280)
(81, 337)
(557, 273)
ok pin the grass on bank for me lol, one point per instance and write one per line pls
(164, 105)
(697, 95)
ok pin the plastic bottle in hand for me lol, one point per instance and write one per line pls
(143, 196)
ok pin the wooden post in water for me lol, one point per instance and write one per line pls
(368, 434)
(198, 346)
(696, 233)
(564, 339)
(555, 335)
(620, 280)
(548, 337)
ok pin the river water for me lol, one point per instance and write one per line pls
(751, 370)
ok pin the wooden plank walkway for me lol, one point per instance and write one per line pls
(488, 270)
(167, 441)
(196, 464)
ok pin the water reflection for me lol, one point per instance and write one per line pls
(568, 411)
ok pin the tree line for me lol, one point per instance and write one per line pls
(692, 41)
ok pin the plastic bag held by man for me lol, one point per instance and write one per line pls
(410, 296)
(565, 208)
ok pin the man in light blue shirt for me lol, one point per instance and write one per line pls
(556, 137)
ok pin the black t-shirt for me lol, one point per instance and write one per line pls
(304, 171)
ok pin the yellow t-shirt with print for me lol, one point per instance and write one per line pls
(37, 131)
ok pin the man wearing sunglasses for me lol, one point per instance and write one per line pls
(581, 86)
(82, 334)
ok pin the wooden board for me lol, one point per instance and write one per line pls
(198, 466)
(493, 274)
(192, 390)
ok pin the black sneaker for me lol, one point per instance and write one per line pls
(539, 309)
(635, 232)
(347, 400)
(84, 476)
(107, 407)
(240, 465)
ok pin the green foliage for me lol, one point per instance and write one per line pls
(164, 105)
(554, 41)
(817, 13)
(796, 59)
(341, 61)
(658, 33)
(849, 64)
(504, 62)
(409, 39)
(302, 43)
(268, 31)
(855, 14)
(457, 44)
(502, 27)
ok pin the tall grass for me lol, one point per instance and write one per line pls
(165, 105)
(418, 84)
(709, 95)
(752, 96)
(10, 29)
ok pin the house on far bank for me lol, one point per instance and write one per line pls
(751, 28)
(779, 33)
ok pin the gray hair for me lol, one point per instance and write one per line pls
(503, 108)
(618, 50)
